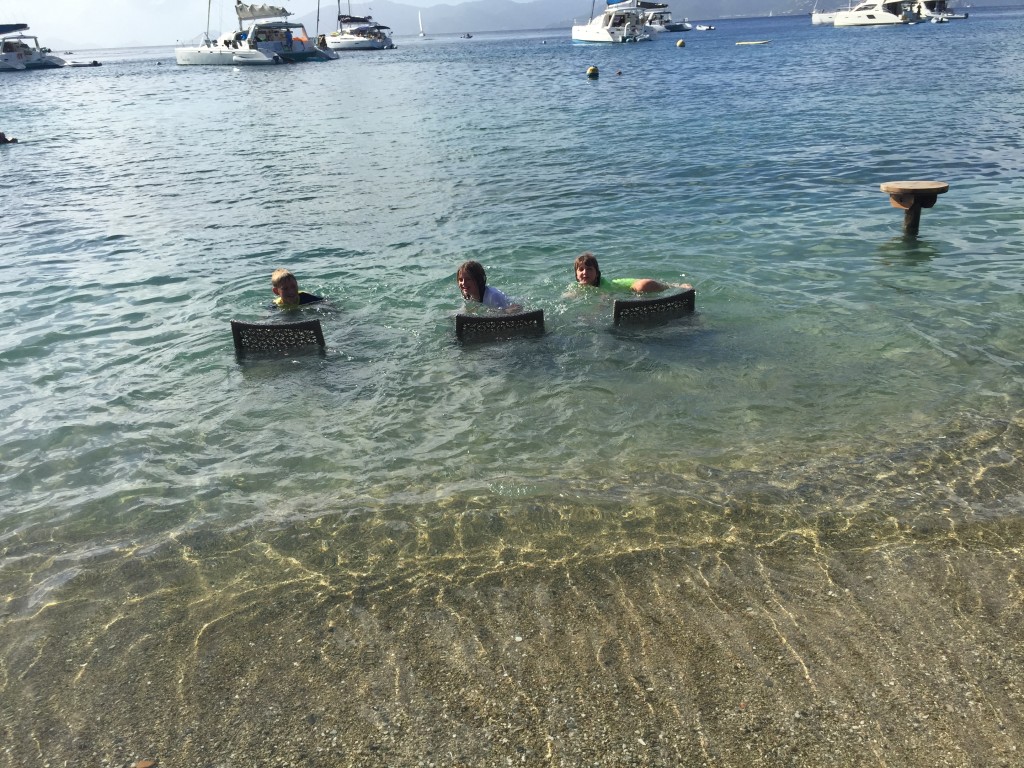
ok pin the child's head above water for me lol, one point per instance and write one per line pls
(472, 280)
(587, 271)
(286, 287)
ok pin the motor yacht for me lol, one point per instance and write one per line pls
(658, 18)
(876, 12)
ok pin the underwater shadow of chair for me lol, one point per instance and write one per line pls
(270, 338)
(473, 328)
(654, 311)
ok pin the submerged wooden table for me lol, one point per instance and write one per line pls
(912, 196)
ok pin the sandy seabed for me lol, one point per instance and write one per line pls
(271, 649)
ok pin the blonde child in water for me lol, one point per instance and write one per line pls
(287, 293)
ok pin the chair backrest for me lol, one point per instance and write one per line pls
(654, 310)
(276, 337)
(499, 327)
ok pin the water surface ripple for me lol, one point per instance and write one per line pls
(827, 351)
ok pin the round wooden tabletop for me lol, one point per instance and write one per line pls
(914, 187)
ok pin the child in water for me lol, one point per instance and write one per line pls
(286, 289)
(588, 273)
(473, 284)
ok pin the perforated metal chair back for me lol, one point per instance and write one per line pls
(276, 337)
(656, 310)
(473, 328)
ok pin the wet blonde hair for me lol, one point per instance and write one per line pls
(279, 276)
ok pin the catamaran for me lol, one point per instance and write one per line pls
(620, 22)
(19, 51)
(257, 41)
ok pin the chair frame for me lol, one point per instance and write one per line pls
(469, 328)
(282, 336)
(646, 310)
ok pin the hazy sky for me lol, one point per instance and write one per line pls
(121, 23)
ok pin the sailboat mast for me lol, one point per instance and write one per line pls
(209, 3)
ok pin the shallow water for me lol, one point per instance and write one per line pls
(784, 530)
(829, 358)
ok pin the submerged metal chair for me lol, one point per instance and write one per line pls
(276, 337)
(499, 327)
(656, 310)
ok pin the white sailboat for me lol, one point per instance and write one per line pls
(422, 33)
(358, 33)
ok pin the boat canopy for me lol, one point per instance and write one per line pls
(644, 5)
(255, 12)
(279, 25)
(6, 29)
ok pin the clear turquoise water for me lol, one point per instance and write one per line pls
(833, 370)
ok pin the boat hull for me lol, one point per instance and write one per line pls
(216, 56)
(875, 13)
(205, 56)
(845, 19)
(48, 62)
(298, 57)
(585, 34)
(356, 43)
